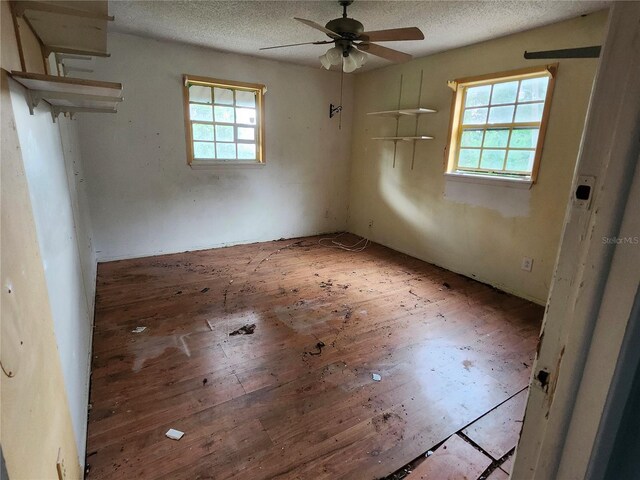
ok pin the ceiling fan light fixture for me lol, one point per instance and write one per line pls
(349, 64)
(334, 55)
(324, 60)
(359, 57)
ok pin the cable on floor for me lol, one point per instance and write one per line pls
(359, 246)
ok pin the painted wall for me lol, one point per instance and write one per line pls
(37, 427)
(145, 199)
(481, 231)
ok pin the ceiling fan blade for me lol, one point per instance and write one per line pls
(392, 35)
(384, 52)
(296, 44)
(317, 26)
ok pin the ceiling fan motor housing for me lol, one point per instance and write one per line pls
(346, 27)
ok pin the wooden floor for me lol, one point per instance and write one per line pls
(273, 404)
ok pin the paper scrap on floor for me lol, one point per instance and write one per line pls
(138, 329)
(174, 434)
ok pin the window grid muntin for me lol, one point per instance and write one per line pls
(256, 142)
(513, 125)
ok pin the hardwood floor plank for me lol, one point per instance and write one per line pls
(453, 460)
(497, 432)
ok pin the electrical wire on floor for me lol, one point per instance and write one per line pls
(359, 246)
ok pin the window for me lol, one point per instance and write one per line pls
(498, 123)
(223, 121)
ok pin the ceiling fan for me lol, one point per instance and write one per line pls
(351, 40)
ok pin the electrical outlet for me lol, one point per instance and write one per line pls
(370, 223)
(527, 264)
(62, 470)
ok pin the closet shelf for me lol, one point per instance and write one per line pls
(404, 111)
(68, 27)
(419, 137)
(69, 95)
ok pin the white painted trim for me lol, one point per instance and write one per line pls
(489, 180)
(563, 414)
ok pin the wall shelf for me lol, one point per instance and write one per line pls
(403, 112)
(67, 27)
(69, 95)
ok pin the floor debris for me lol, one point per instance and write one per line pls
(244, 330)
(376, 377)
(209, 325)
(138, 330)
(319, 346)
(174, 434)
(204, 290)
(204, 382)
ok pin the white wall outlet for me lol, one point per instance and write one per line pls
(370, 223)
(62, 470)
(527, 264)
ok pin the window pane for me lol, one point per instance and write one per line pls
(533, 89)
(477, 96)
(246, 115)
(223, 95)
(524, 138)
(224, 114)
(200, 94)
(468, 158)
(520, 160)
(492, 159)
(501, 114)
(247, 151)
(246, 133)
(224, 133)
(226, 151)
(204, 150)
(202, 131)
(471, 138)
(531, 112)
(496, 138)
(245, 99)
(504, 93)
(475, 116)
(200, 112)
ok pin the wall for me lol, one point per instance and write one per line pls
(145, 199)
(481, 231)
(37, 427)
(49, 158)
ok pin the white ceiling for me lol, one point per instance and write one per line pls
(245, 26)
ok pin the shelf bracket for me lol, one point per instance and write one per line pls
(33, 100)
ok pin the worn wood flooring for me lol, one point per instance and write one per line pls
(275, 403)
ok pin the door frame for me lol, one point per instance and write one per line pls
(589, 303)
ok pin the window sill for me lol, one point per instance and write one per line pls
(489, 180)
(197, 165)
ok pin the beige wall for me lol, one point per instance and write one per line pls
(34, 412)
(481, 231)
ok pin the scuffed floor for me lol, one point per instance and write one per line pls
(296, 398)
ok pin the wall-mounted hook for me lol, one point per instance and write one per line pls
(334, 109)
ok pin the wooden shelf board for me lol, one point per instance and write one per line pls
(420, 137)
(70, 94)
(81, 86)
(81, 28)
(403, 111)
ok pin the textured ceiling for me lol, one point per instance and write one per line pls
(245, 26)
